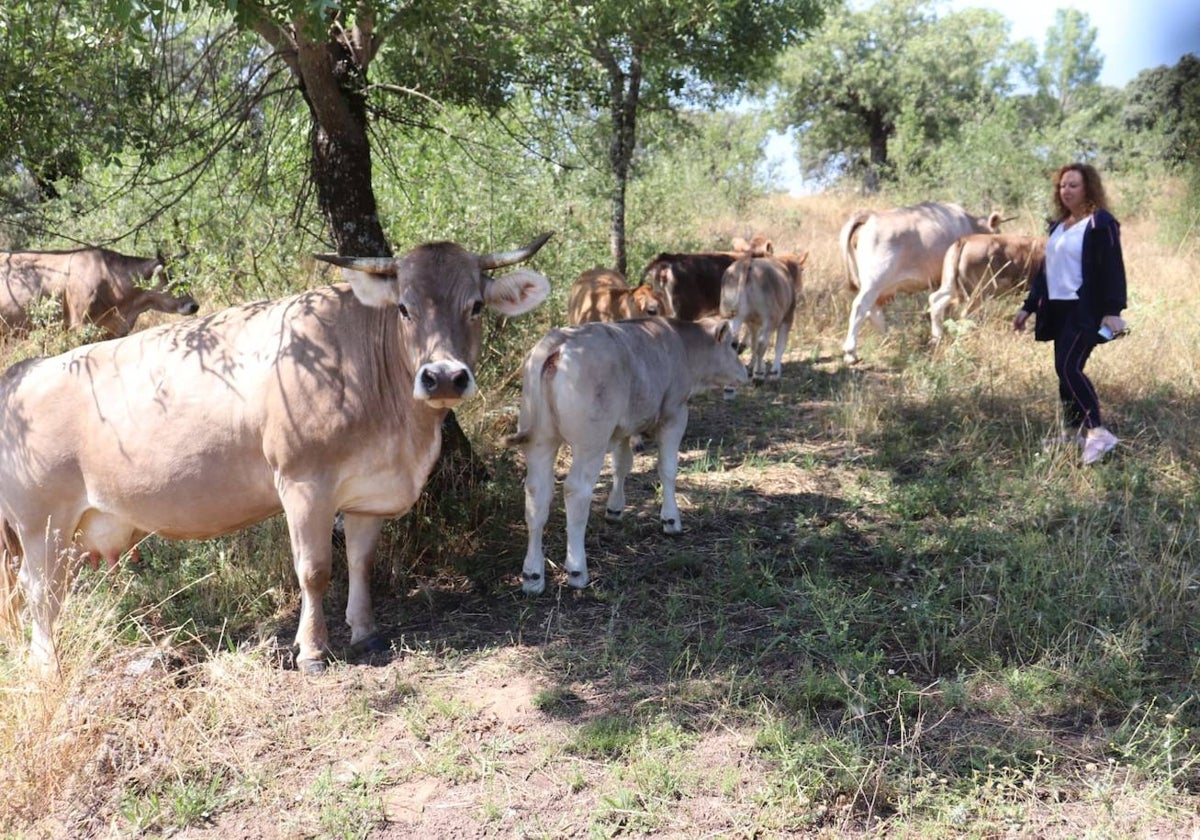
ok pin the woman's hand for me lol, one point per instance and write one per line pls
(1020, 319)
(1115, 323)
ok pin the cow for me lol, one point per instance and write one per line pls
(92, 286)
(327, 401)
(602, 294)
(691, 282)
(984, 265)
(900, 250)
(570, 394)
(757, 293)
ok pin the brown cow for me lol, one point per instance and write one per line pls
(900, 250)
(570, 394)
(92, 285)
(984, 265)
(328, 401)
(602, 294)
(691, 282)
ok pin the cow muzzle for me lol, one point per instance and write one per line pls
(444, 384)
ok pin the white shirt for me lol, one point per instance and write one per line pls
(1064, 261)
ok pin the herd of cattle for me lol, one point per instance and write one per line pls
(332, 400)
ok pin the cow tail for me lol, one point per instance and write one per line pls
(846, 241)
(537, 414)
(10, 592)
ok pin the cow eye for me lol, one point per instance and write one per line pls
(404, 312)
(477, 309)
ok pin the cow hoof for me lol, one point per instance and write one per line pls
(577, 580)
(371, 644)
(532, 584)
(730, 394)
(850, 357)
(613, 515)
(672, 526)
(312, 667)
(758, 381)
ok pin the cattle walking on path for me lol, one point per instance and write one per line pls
(595, 386)
(892, 251)
(330, 400)
(91, 285)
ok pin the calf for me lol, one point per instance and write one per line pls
(593, 387)
(984, 265)
(602, 294)
(758, 293)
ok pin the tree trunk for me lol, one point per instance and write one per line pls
(624, 90)
(332, 84)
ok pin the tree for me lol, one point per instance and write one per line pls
(72, 94)
(1165, 102)
(894, 73)
(1071, 63)
(613, 60)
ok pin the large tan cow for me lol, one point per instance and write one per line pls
(900, 250)
(593, 387)
(602, 294)
(92, 285)
(757, 293)
(984, 265)
(330, 400)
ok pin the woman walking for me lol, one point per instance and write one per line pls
(1078, 296)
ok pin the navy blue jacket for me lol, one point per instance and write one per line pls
(1103, 289)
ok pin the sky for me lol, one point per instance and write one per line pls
(1131, 35)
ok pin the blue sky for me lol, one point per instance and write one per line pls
(1132, 35)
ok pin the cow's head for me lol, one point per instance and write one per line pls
(650, 303)
(144, 287)
(439, 292)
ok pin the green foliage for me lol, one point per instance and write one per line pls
(1163, 105)
(1071, 63)
(890, 81)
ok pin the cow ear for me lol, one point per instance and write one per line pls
(517, 292)
(374, 290)
(722, 331)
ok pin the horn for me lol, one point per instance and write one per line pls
(503, 258)
(370, 265)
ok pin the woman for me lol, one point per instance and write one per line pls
(1079, 290)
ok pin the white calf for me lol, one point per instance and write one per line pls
(593, 387)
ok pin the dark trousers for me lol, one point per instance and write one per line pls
(1072, 346)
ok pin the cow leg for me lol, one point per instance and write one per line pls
(362, 539)
(670, 435)
(43, 578)
(577, 497)
(781, 340)
(539, 491)
(729, 392)
(938, 301)
(859, 311)
(760, 353)
(622, 465)
(308, 521)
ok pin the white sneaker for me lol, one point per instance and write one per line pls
(1099, 442)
